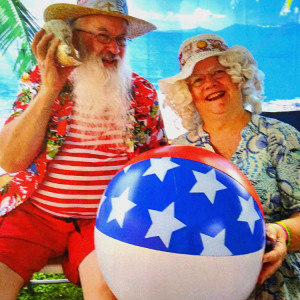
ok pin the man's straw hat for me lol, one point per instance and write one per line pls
(115, 8)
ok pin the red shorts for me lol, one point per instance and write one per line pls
(30, 236)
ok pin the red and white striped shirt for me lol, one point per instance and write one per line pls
(80, 172)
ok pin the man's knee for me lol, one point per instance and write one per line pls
(10, 282)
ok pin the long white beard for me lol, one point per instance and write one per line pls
(102, 93)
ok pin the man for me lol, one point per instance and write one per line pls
(71, 130)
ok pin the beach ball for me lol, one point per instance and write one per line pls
(180, 222)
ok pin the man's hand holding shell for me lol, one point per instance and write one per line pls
(66, 54)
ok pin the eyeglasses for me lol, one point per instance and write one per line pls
(104, 38)
(198, 80)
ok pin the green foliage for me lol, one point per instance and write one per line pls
(65, 291)
(17, 25)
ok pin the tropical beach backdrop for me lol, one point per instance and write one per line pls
(269, 29)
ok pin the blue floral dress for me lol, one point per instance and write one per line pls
(269, 155)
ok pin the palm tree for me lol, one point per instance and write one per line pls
(18, 26)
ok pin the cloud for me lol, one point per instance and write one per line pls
(198, 18)
(170, 20)
(234, 3)
(37, 7)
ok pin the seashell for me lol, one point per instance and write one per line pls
(66, 54)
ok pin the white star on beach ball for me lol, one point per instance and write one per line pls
(177, 223)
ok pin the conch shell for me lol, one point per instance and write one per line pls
(66, 54)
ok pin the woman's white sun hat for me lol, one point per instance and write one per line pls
(115, 8)
(196, 49)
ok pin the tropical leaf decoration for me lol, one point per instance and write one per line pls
(288, 3)
(18, 27)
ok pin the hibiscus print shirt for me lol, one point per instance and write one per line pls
(145, 131)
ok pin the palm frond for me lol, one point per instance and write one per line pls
(17, 26)
(25, 59)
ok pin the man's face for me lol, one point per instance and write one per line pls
(114, 29)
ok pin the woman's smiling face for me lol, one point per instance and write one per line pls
(212, 88)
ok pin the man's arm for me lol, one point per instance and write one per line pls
(22, 139)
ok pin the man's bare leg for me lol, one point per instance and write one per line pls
(10, 283)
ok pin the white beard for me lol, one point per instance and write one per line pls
(102, 94)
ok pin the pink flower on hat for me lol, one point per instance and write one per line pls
(219, 45)
(82, 2)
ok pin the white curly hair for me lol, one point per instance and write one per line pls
(243, 70)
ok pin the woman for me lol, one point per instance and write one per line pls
(217, 94)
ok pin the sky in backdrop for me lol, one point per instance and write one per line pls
(187, 14)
